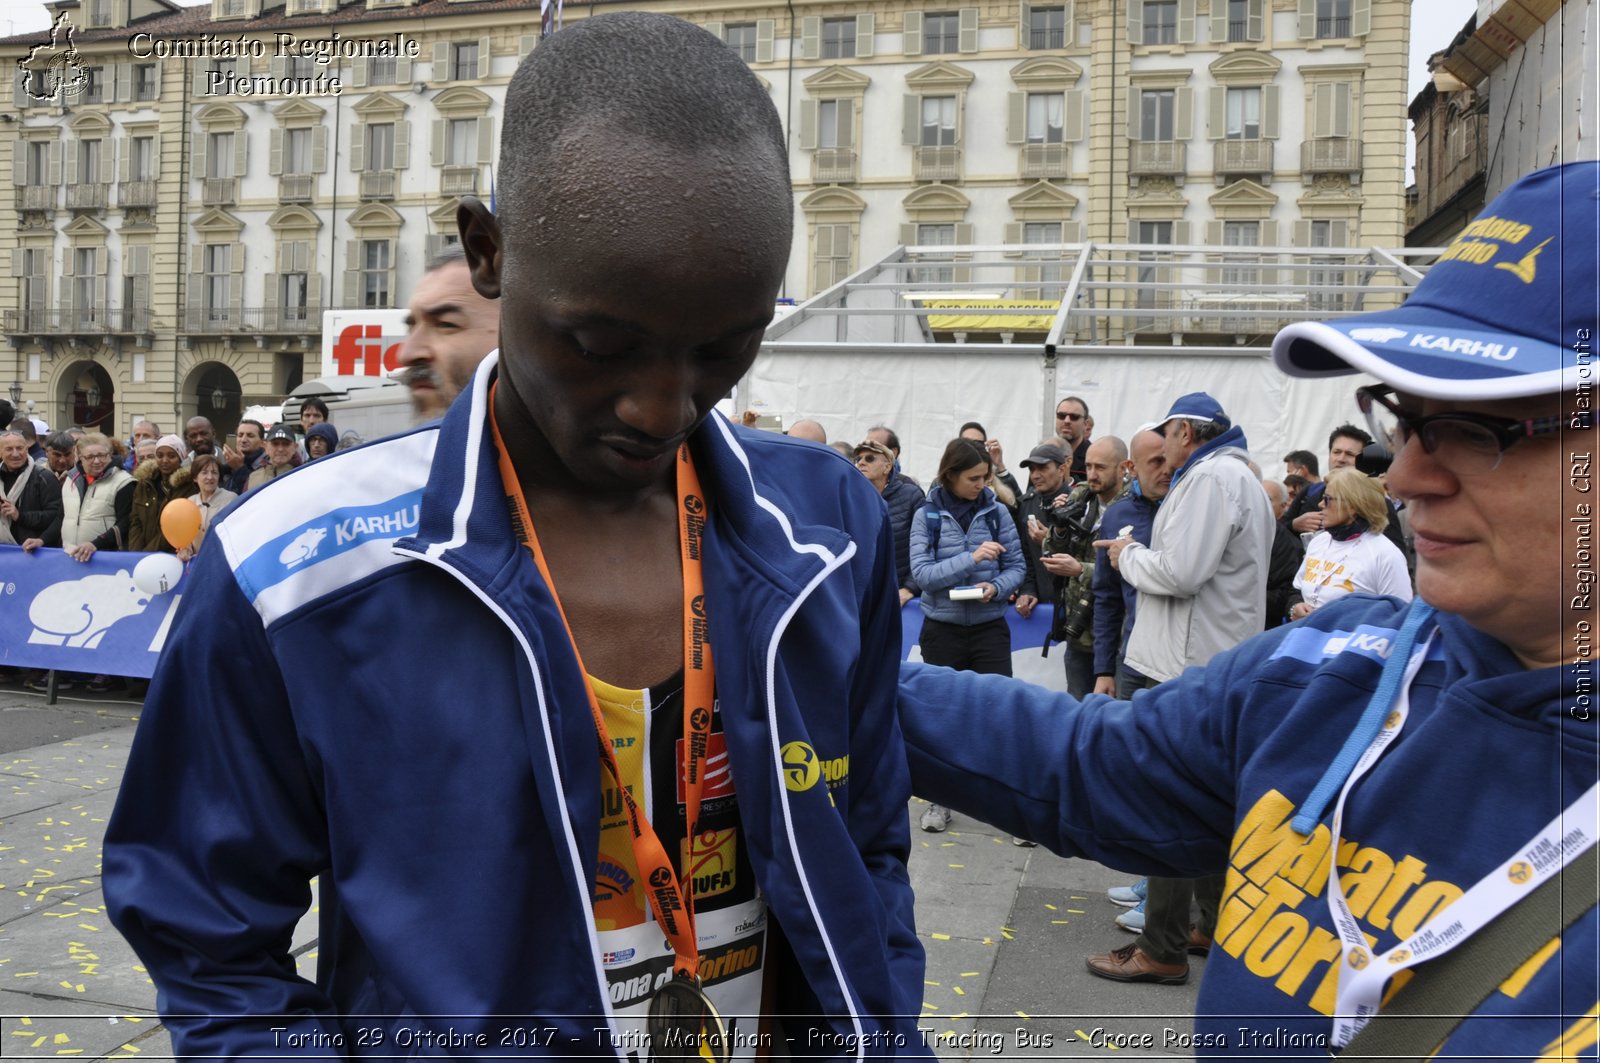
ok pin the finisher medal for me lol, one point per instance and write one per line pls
(684, 1026)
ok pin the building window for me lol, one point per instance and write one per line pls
(219, 155)
(1044, 232)
(292, 296)
(938, 121)
(226, 67)
(832, 124)
(1238, 20)
(1244, 114)
(100, 13)
(218, 275)
(1046, 114)
(382, 70)
(34, 294)
(1047, 27)
(94, 84)
(296, 151)
(1156, 107)
(464, 61)
(1241, 234)
(380, 146)
(38, 162)
(1325, 283)
(302, 66)
(145, 81)
(839, 38)
(741, 37)
(84, 281)
(375, 274)
(937, 235)
(461, 148)
(941, 33)
(141, 159)
(833, 256)
(1333, 18)
(1161, 21)
(88, 161)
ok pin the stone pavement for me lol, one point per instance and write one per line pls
(1006, 928)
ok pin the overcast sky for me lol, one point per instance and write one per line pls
(1434, 24)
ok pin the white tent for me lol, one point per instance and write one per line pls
(931, 337)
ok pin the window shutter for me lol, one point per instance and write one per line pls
(319, 149)
(1069, 25)
(280, 66)
(1024, 24)
(485, 59)
(1321, 111)
(1016, 117)
(1269, 112)
(964, 233)
(358, 77)
(275, 153)
(1135, 21)
(1301, 233)
(1186, 21)
(435, 244)
(1341, 110)
(53, 162)
(486, 139)
(197, 278)
(1072, 232)
(141, 279)
(1360, 18)
(19, 166)
(241, 154)
(1077, 103)
(201, 142)
(766, 28)
(108, 160)
(967, 31)
(911, 120)
(402, 145)
(1183, 121)
(1214, 232)
(1135, 96)
(402, 70)
(961, 118)
(808, 124)
(847, 123)
(313, 295)
(121, 82)
(440, 148)
(199, 79)
(269, 294)
(352, 273)
(908, 234)
(811, 37)
(1219, 21)
(1217, 112)
(1180, 232)
(302, 256)
(236, 285)
(16, 261)
(526, 43)
(393, 261)
(66, 289)
(1308, 19)
(441, 61)
(72, 162)
(864, 24)
(1013, 232)
(1339, 233)
(821, 262)
(124, 150)
(1133, 230)
(358, 147)
(717, 30)
(1268, 235)
(1255, 20)
(913, 33)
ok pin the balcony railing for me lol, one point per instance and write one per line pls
(459, 181)
(1044, 160)
(295, 188)
(1238, 31)
(86, 197)
(1242, 156)
(378, 185)
(36, 197)
(1330, 155)
(77, 321)
(1333, 27)
(940, 163)
(136, 194)
(1156, 157)
(254, 319)
(833, 166)
(220, 192)
(1047, 38)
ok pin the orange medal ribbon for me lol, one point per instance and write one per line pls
(672, 900)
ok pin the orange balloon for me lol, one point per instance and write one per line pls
(180, 522)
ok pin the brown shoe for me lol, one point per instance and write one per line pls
(1132, 964)
(1199, 943)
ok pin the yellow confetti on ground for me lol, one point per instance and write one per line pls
(970, 974)
(27, 1021)
(958, 867)
(38, 1042)
(1024, 1015)
(958, 991)
(940, 937)
(1012, 929)
(959, 1015)
(26, 974)
(1059, 922)
(927, 982)
(1008, 935)
(1052, 907)
(947, 845)
(988, 941)
(929, 1007)
(64, 985)
(1081, 1035)
(69, 1051)
(62, 1039)
(1075, 911)
(1075, 897)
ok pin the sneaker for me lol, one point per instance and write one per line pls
(1023, 843)
(1132, 964)
(935, 819)
(1132, 920)
(41, 682)
(100, 684)
(1129, 896)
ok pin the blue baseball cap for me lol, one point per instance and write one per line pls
(1195, 406)
(1501, 314)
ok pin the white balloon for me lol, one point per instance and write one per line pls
(157, 574)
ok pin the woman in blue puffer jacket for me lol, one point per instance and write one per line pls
(967, 559)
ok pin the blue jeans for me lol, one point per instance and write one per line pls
(1080, 670)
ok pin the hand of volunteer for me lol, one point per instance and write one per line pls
(1113, 548)
(1064, 565)
(1025, 604)
(1300, 610)
(30, 545)
(905, 596)
(1105, 685)
(989, 551)
(988, 591)
(233, 458)
(1307, 522)
(8, 509)
(995, 453)
(81, 552)
(1036, 531)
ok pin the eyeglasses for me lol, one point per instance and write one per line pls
(1467, 444)
(1330, 500)
(96, 456)
(1062, 416)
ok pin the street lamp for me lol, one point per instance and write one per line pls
(219, 399)
(93, 396)
(16, 392)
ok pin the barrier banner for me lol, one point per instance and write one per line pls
(1027, 638)
(82, 616)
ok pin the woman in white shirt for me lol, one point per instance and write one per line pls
(1350, 553)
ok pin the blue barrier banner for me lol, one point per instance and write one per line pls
(1026, 634)
(81, 616)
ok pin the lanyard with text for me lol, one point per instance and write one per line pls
(671, 900)
(1363, 974)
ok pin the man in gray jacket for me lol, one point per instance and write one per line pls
(1202, 586)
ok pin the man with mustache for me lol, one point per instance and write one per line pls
(451, 329)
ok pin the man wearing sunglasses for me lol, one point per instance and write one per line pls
(1402, 795)
(1073, 425)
